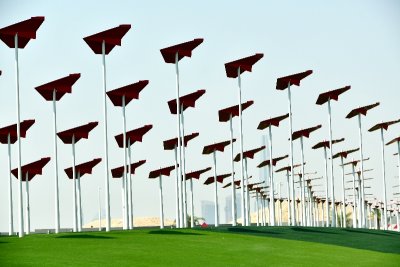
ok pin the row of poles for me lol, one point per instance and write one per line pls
(18, 35)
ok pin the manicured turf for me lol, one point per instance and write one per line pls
(227, 246)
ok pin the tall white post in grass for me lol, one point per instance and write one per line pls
(358, 112)
(102, 43)
(383, 126)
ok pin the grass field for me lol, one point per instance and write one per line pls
(226, 246)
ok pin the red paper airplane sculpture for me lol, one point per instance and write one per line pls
(111, 38)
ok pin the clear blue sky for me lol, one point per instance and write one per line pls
(345, 42)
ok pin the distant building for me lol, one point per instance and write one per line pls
(228, 208)
(207, 211)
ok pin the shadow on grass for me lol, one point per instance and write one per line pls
(382, 233)
(169, 232)
(85, 236)
(313, 230)
(251, 231)
(373, 240)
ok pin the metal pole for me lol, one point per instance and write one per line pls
(293, 206)
(28, 216)
(317, 211)
(10, 198)
(271, 196)
(344, 197)
(216, 190)
(359, 200)
(331, 169)
(361, 191)
(248, 218)
(326, 188)
(74, 184)
(177, 190)
(354, 197)
(124, 180)
(79, 203)
(288, 190)
(129, 180)
(272, 211)
(184, 171)
(233, 175)
(99, 210)
(398, 164)
(107, 189)
(267, 200)
(280, 205)
(384, 183)
(57, 206)
(243, 207)
(257, 210)
(262, 210)
(21, 214)
(178, 109)
(302, 186)
(191, 204)
(161, 204)
(323, 213)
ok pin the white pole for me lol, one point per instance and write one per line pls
(21, 214)
(288, 191)
(28, 215)
(178, 109)
(248, 218)
(57, 205)
(343, 198)
(177, 190)
(317, 211)
(354, 197)
(361, 190)
(302, 186)
(184, 171)
(10, 198)
(129, 180)
(124, 179)
(370, 217)
(267, 200)
(107, 189)
(293, 206)
(323, 213)
(262, 208)
(280, 205)
(384, 182)
(398, 164)
(216, 190)
(233, 175)
(79, 203)
(326, 188)
(243, 207)
(359, 200)
(257, 210)
(74, 184)
(191, 204)
(272, 210)
(99, 211)
(331, 169)
(161, 204)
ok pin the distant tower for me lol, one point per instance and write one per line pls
(207, 211)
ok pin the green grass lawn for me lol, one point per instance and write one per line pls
(227, 246)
